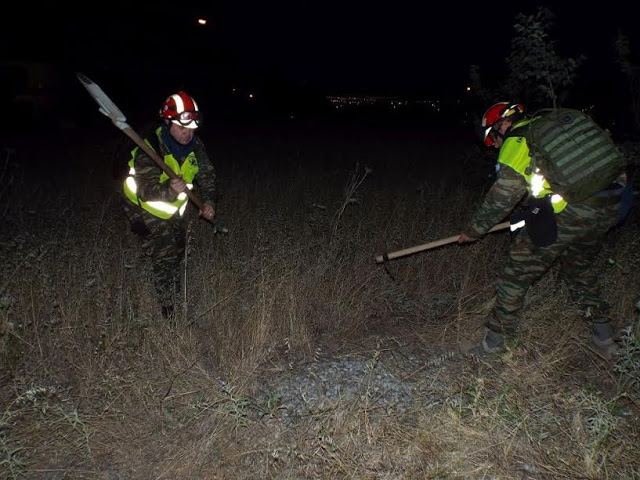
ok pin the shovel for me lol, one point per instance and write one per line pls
(436, 243)
(109, 109)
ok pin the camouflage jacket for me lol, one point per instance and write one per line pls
(504, 195)
(511, 187)
(148, 174)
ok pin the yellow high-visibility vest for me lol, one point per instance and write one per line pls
(162, 209)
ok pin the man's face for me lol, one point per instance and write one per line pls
(182, 135)
(502, 128)
(497, 141)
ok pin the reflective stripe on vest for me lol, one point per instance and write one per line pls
(162, 209)
(515, 154)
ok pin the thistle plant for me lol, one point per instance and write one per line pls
(355, 181)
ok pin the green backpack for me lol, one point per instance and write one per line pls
(575, 155)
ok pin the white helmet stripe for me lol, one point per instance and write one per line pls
(179, 103)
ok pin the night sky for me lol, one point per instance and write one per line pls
(391, 48)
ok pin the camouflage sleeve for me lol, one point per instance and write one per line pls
(148, 180)
(206, 178)
(501, 199)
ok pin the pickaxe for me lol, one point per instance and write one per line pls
(436, 243)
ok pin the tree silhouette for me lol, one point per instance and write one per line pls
(536, 72)
(631, 70)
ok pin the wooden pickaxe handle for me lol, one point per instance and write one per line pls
(436, 243)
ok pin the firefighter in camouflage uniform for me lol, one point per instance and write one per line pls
(575, 236)
(155, 204)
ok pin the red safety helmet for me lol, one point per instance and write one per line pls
(494, 114)
(182, 110)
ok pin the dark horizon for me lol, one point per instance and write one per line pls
(360, 48)
(291, 57)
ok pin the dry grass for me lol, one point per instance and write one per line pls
(95, 385)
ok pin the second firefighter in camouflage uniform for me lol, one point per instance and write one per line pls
(576, 237)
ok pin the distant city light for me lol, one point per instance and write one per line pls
(202, 21)
(393, 103)
(468, 89)
(251, 95)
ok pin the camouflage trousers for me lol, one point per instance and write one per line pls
(164, 242)
(581, 230)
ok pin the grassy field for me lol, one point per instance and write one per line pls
(96, 385)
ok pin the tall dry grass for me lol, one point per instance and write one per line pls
(96, 385)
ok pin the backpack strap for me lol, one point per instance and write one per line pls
(518, 132)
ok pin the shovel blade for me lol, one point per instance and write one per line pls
(107, 107)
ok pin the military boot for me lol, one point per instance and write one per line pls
(603, 339)
(492, 343)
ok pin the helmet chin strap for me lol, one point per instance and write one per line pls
(498, 133)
